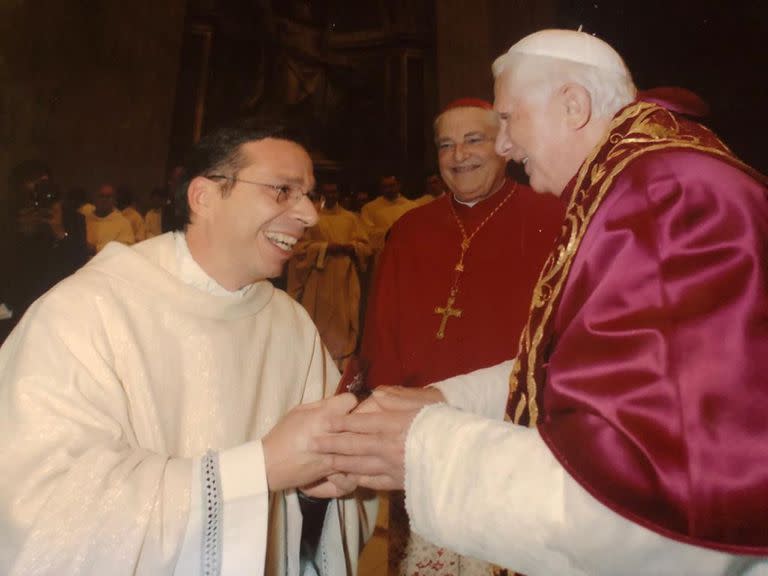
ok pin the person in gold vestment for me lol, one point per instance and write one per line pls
(324, 274)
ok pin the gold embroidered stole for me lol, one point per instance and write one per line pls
(637, 129)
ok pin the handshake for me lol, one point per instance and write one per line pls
(329, 448)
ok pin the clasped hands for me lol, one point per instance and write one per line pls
(340, 249)
(329, 448)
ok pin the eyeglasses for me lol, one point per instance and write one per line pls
(470, 142)
(284, 193)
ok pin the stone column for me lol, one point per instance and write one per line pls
(470, 35)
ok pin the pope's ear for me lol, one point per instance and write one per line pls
(577, 104)
(200, 194)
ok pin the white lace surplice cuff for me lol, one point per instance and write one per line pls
(228, 518)
(212, 515)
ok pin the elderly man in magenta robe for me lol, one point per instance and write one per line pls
(635, 433)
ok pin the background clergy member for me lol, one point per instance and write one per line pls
(324, 274)
(127, 206)
(107, 224)
(380, 214)
(433, 189)
(454, 284)
(157, 405)
(636, 404)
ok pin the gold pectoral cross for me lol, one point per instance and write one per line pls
(447, 312)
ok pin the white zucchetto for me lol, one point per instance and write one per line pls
(568, 45)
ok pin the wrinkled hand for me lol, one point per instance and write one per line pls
(399, 398)
(369, 444)
(290, 454)
(335, 486)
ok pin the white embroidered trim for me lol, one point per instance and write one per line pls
(413, 445)
(212, 527)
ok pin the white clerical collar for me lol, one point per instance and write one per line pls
(472, 203)
(193, 275)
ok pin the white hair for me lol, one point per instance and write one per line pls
(610, 89)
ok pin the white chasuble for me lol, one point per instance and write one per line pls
(131, 410)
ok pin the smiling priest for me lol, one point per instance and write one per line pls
(156, 406)
(453, 287)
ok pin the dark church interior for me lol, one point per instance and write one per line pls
(97, 91)
(100, 92)
(92, 92)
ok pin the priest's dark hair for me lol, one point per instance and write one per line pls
(219, 152)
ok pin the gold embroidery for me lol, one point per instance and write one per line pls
(643, 130)
(515, 372)
(519, 409)
(597, 172)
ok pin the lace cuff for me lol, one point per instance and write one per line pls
(212, 511)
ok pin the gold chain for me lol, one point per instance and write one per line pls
(466, 241)
(448, 311)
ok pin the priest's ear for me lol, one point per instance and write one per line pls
(577, 105)
(201, 194)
